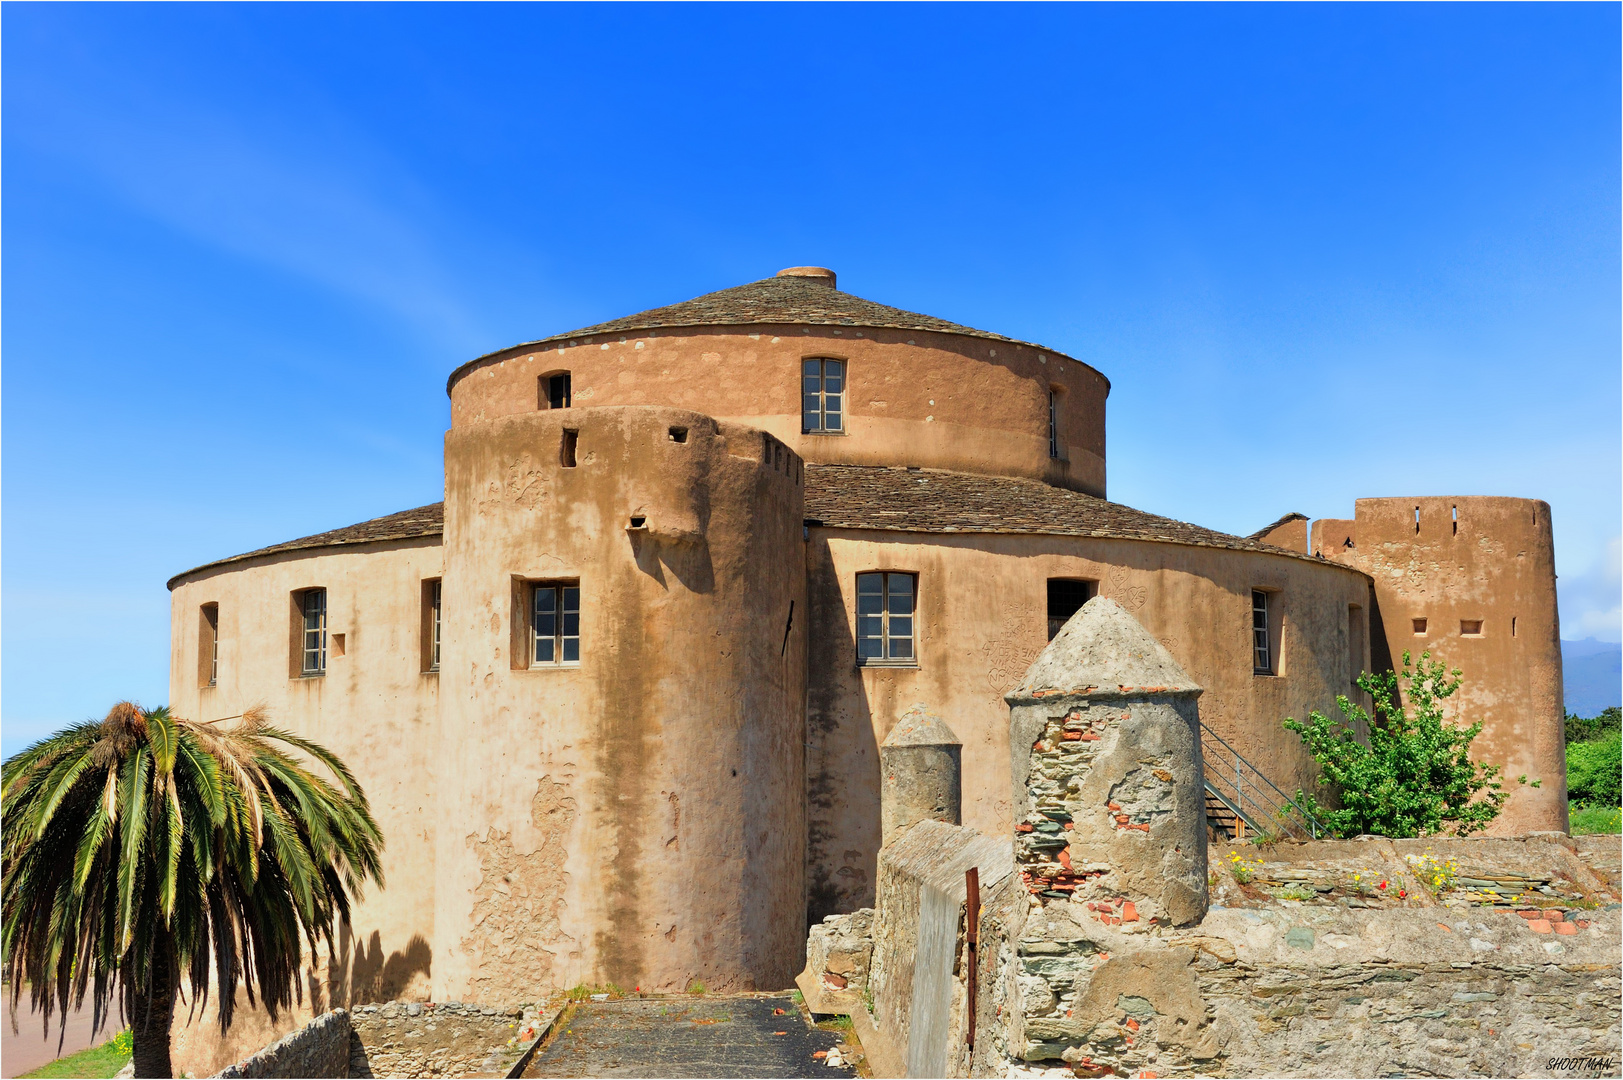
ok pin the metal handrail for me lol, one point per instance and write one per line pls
(1278, 808)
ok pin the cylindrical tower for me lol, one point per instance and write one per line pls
(920, 770)
(1104, 744)
(623, 704)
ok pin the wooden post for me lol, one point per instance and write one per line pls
(972, 940)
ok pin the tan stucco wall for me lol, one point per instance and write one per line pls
(914, 397)
(375, 708)
(638, 819)
(982, 621)
(1494, 562)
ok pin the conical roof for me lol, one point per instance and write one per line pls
(920, 727)
(1102, 652)
(800, 296)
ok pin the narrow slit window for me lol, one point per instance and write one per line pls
(1513, 626)
(566, 449)
(1053, 427)
(556, 392)
(822, 397)
(1261, 634)
(314, 654)
(1065, 598)
(434, 612)
(885, 615)
(208, 645)
(555, 624)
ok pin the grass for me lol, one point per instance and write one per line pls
(98, 1061)
(1596, 820)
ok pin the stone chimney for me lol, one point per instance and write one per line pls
(921, 765)
(1104, 744)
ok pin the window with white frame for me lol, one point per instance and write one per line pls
(433, 626)
(822, 396)
(885, 614)
(208, 645)
(1261, 633)
(554, 623)
(313, 660)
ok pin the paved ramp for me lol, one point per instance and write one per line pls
(689, 1037)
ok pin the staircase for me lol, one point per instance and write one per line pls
(1242, 803)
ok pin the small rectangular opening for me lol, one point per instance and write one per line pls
(638, 521)
(1456, 519)
(1065, 598)
(1417, 521)
(566, 449)
(1513, 626)
(1471, 627)
(1419, 626)
(679, 434)
(338, 645)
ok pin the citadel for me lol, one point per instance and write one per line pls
(619, 700)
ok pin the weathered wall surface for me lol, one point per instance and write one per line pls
(917, 397)
(636, 818)
(1480, 572)
(319, 1048)
(375, 707)
(982, 621)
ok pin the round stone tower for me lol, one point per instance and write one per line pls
(1108, 791)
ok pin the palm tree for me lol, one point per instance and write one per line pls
(143, 848)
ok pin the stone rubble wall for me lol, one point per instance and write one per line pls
(320, 1048)
(430, 1039)
(838, 953)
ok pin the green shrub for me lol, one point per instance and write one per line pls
(1415, 777)
(1593, 770)
(1580, 729)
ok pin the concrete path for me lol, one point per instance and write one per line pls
(27, 1048)
(676, 1037)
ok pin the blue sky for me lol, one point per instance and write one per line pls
(1322, 252)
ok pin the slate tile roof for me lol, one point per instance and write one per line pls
(771, 301)
(885, 498)
(932, 501)
(423, 521)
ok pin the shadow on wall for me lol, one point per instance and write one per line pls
(368, 975)
(842, 757)
(688, 561)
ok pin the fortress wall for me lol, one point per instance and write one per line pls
(638, 818)
(1478, 559)
(937, 400)
(375, 708)
(982, 621)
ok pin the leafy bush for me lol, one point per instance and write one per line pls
(1580, 729)
(1415, 777)
(1593, 769)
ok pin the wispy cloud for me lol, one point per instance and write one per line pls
(1592, 602)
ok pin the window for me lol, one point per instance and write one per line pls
(555, 391)
(566, 449)
(885, 618)
(1356, 636)
(1053, 429)
(1262, 649)
(554, 623)
(429, 634)
(822, 396)
(1419, 627)
(208, 645)
(313, 640)
(1065, 598)
(1471, 627)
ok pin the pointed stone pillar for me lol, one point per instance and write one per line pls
(921, 765)
(1109, 805)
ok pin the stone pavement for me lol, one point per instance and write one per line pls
(677, 1037)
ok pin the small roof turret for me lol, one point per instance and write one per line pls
(1102, 652)
(920, 727)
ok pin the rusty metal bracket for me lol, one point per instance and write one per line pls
(972, 940)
